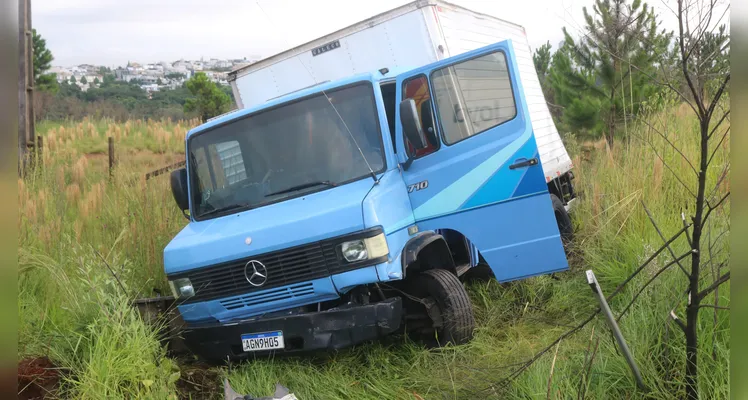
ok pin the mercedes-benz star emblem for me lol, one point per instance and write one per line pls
(256, 273)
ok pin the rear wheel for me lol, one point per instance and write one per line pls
(562, 219)
(449, 313)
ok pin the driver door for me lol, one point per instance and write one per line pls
(479, 170)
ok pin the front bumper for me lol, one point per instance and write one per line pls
(326, 330)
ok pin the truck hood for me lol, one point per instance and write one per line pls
(324, 214)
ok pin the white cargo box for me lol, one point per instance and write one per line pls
(406, 37)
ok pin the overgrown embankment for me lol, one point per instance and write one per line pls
(74, 220)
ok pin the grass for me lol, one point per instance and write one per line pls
(71, 309)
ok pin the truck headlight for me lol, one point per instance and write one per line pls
(182, 288)
(364, 249)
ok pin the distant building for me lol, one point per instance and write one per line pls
(152, 87)
(182, 64)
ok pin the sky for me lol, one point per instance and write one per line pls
(113, 32)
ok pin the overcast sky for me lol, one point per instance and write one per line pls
(111, 32)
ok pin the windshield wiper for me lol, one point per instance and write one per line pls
(226, 208)
(303, 186)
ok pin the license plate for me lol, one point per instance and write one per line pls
(263, 341)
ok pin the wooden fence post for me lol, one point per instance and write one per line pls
(111, 156)
(39, 151)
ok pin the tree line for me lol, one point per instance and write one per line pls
(120, 100)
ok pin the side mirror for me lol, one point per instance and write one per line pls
(179, 188)
(411, 125)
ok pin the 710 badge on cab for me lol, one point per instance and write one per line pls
(418, 186)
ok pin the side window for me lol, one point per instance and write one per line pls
(418, 89)
(390, 102)
(473, 96)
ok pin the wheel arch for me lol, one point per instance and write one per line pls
(427, 250)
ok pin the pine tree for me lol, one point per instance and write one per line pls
(610, 66)
(42, 60)
(542, 60)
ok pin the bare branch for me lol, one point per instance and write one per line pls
(685, 226)
(659, 232)
(714, 152)
(668, 166)
(722, 279)
(713, 306)
(709, 261)
(645, 263)
(713, 243)
(714, 207)
(529, 362)
(684, 62)
(677, 320)
(714, 54)
(718, 123)
(703, 25)
(649, 282)
(672, 145)
(718, 95)
(722, 177)
(670, 86)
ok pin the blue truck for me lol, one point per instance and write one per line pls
(355, 208)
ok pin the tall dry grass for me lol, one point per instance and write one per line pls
(74, 218)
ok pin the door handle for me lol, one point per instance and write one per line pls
(524, 162)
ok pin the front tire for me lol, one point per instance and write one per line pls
(454, 322)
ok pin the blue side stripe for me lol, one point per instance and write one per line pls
(503, 182)
(456, 194)
(533, 181)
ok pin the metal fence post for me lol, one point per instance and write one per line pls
(592, 281)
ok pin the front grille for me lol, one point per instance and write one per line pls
(284, 267)
(290, 292)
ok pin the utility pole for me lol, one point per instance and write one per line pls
(25, 85)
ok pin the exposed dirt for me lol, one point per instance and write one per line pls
(199, 381)
(38, 378)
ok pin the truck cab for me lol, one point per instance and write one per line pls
(350, 210)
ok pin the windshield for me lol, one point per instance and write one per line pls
(285, 152)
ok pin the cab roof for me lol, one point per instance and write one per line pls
(373, 77)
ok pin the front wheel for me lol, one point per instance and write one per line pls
(447, 305)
